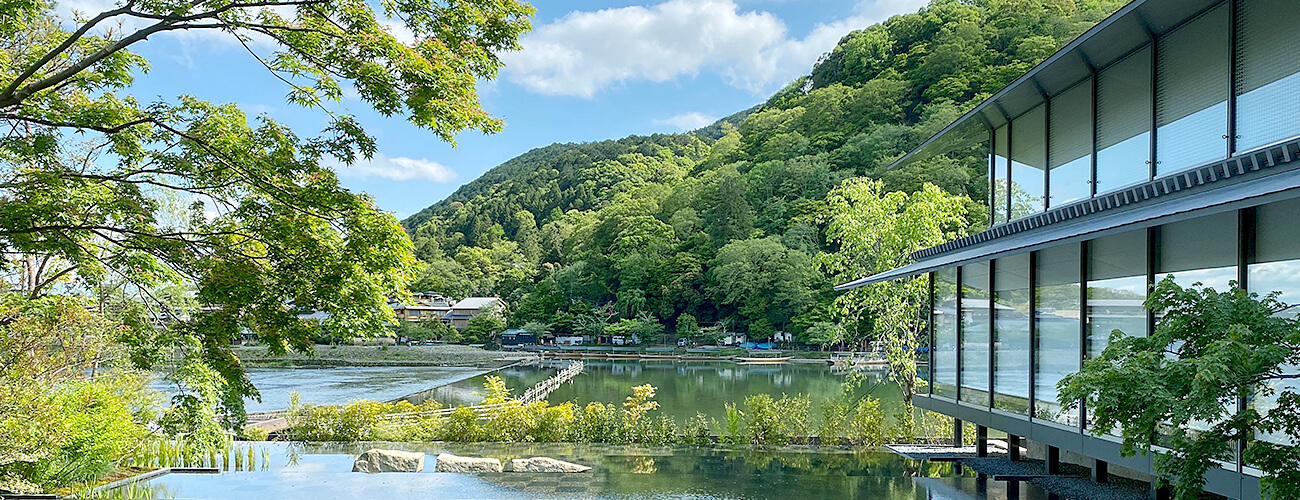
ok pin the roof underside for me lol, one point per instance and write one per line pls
(1128, 29)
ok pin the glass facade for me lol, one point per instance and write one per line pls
(1057, 325)
(1029, 320)
(1172, 94)
(1268, 72)
(1190, 257)
(1117, 288)
(1011, 334)
(975, 333)
(1192, 71)
(1028, 162)
(945, 333)
(1124, 122)
(999, 162)
(1276, 268)
(1070, 158)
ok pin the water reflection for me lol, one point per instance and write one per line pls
(684, 387)
(321, 472)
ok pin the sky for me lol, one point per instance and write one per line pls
(590, 70)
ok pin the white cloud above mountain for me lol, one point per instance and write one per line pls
(687, 121)
(398, 169)
(584, 53)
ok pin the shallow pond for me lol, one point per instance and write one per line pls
(322, 472)
(684, 387)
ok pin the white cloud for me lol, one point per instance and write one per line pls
(583, 53)
(398, 169)
(687, 121)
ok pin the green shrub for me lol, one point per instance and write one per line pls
(834, 421)
(698, 430)
(462, 425)
(555, 423)
(731, 429)
(867, 426)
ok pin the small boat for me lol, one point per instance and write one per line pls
(762, 360)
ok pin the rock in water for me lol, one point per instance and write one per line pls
(373, 461)
(545, 464)
(469, 465)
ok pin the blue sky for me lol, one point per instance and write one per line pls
(591, 70)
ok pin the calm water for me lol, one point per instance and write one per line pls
(684, 388)
(340, 385)
(322, 472)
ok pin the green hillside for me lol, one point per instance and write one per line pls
(724, 224)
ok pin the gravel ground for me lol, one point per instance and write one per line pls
(1073, 482)
(435, 355)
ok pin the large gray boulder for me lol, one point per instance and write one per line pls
(466, 465)
(545, 464)
(373, 461)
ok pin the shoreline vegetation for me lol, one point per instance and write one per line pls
(759, 419)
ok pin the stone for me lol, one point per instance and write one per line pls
(447, 462)
(376, 460)
(545, 464)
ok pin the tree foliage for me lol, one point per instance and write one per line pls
(1179, 387)
(876, 232)
(679, 225)
(135, 198)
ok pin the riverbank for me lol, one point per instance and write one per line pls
(348, 355)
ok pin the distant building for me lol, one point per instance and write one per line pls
(425, 306)
(463, 311)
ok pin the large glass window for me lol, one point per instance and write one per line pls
(1000, 161)
(975, 333)
(1124, 122)
(1056, 329)
(1201, 250)
(1071, 145)
(1117, 288)
(1268, 72)
(1192, 71)
(1028, 162)
(1011, 334)
(945, 333)
(1276, 268)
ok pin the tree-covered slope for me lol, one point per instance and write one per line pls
(725, 225)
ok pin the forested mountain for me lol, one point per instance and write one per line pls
(723, 226)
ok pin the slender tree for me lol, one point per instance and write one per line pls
(876, 232)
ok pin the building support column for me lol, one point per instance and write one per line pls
(1053, 460)
(1013, 447)
(956, 433)
(1100, 471)
(981, 441)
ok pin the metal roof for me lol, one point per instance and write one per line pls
(1219, 186)
(1128, 29)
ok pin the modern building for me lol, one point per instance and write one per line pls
(1164, 140)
